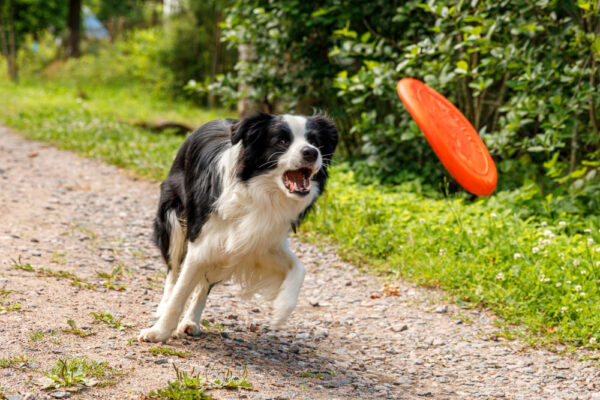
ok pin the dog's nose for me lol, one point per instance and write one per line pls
(310, 154)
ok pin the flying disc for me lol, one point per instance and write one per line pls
(451, 136)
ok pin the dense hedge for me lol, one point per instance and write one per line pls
(524, 73)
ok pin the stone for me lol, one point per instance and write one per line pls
(441, 309)
(61, 395)
(400, 328)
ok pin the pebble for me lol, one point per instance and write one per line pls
(61, 395)
(399, 328)
(442, 309)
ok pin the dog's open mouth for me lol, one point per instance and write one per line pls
(298, 181)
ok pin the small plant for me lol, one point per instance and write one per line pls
(113, 286)
(191, 386)
(77, 331)
(115, 273)
(164, 350)
(104, 317)
(216, 328)
(22, 266)
(78, 373)
(36, 336)
(11, 362)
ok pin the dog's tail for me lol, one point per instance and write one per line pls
(170, 235)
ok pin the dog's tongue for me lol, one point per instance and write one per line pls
(296, 181)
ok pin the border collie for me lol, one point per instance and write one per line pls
(235, 190)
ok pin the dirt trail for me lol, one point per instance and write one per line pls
(62, 212)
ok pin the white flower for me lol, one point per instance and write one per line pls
(583, 272)
(582, 294)
(558, 284)
(587, 230)
(544, 223)
(499, 276)
(517, 256)
(192, 83)
(535, 250)
(592, 340)
(576, 262)
(597, 249)
(562, 224)
(577, 288)
(442, 252)
(422, 220)
(563, 309)
(590, 241)
(493, 214)
(469, 232)
(546, 253)
(579, 310)
(568, 282)
(597, 263)
(562, 256)
(548, 233)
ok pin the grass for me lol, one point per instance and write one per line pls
(78, 373)
(539, 272)
(190, 386)
(11, 362)
(167, 351)
(78, 331)
(36, 336)
(106, 318)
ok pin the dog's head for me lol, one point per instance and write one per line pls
(295, 150)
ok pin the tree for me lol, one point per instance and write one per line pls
(19, 18)
(74, 24)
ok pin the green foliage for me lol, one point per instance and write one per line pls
(524, 73)
(532, 271)
(191, 386)
(104, 317)
(167, 351)
(78, 373)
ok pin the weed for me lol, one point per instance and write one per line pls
(191, 386)
(164, 350)
(36, 336)
(77, 331)
(58, 258)
(22, 266)
(114, 274)
(12, 362)
(104, 317)
(78, 373)
(114, 286)
(216, 328)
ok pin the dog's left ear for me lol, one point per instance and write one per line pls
(249, 129)
(328, 135)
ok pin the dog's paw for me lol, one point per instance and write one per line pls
(154, 334)
(187, 327)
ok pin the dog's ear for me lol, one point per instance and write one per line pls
(328, 135)
(249, 129)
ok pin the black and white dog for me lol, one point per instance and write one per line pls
(233, 193)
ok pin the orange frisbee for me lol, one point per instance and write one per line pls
(451, 136)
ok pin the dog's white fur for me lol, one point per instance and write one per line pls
(244, 240)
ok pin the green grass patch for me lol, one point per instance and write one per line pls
(106, 318)
(75, 330)
(190, 386)
(167, 351)
(12, 362)
(78, 373)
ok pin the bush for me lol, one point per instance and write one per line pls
(524, 73)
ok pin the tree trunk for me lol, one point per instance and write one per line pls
(74, 24)
(8, 41)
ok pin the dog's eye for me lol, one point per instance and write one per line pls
(284, 142)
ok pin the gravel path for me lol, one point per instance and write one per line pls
(347, 339)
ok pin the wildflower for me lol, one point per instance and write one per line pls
(562, 256)
(469, 232)
(590, 241)
(558, 284)
(587, 230)
(579, 310)
(563, 310)
(577, 288)
(582, 294)
(562, 224)
(544, 223)
(535, 250)
(576, 262)
(517, 256)
(544, 279)
(548, 233)
(546, 253)
(583, 272)
(597, 249)
(422, 220)
(442, 252)
(493, 214)
(499, 276)
(592, 340)
(568, 282)
(597, 263)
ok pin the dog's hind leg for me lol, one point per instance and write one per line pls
(176, 253)
(190, 324)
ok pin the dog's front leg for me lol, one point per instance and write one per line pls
(286, 299)
(190, 276)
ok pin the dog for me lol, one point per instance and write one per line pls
(234, 192)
